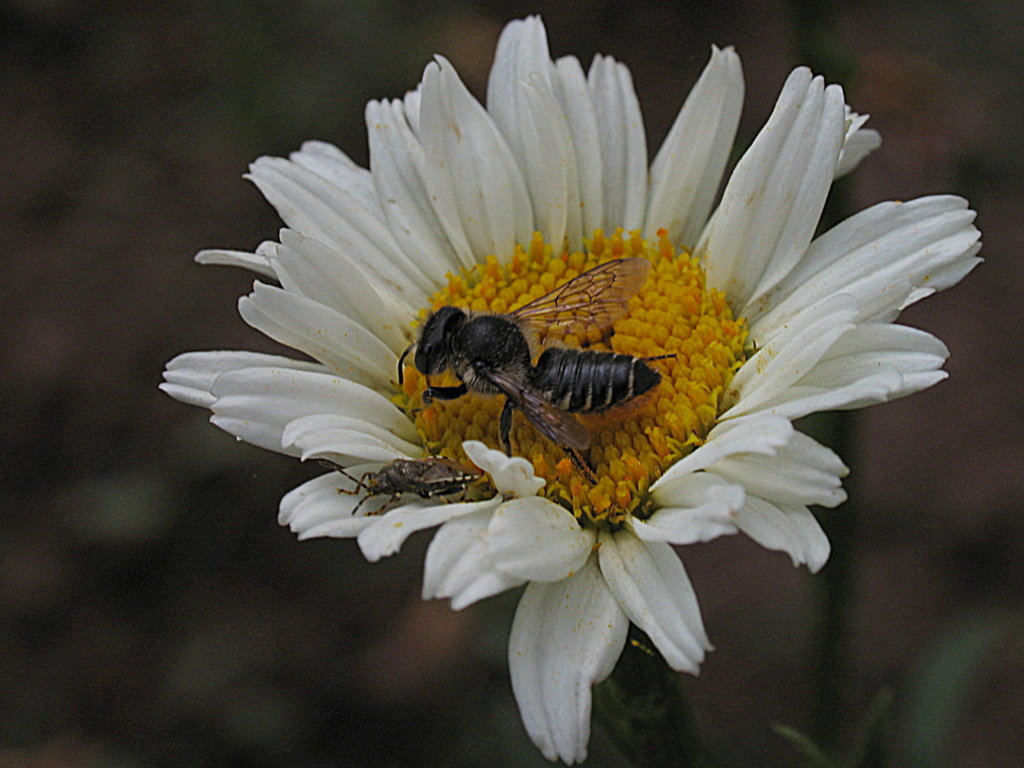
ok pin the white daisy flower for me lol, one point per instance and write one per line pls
(489, 208)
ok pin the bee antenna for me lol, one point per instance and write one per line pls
(401, 370)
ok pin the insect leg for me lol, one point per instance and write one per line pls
(442, 490)
(505, 426)
(361, 502)
(360, 485)
(582, 463)
(389, 504)
(657, 357)
(443, 393)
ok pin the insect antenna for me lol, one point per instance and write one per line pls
(361, 485)
(338, 468)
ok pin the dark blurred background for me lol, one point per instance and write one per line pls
(152, 613)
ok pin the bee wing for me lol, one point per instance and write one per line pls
(559, 426)
(596, 298)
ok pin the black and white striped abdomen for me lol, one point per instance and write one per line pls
(582, 380)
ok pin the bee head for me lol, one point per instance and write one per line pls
(432, 349)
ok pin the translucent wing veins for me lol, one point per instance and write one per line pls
(558, 426)
(596, 298)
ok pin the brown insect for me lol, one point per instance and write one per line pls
(426, 478)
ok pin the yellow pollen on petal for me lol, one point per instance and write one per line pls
(632, 444)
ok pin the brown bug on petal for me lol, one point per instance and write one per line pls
(427, 478)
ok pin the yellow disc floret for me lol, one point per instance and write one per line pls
(632, 444)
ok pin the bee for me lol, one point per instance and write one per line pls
(492, 354)
(427, 478)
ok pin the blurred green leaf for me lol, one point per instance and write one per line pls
(125, 509)
(871, 749)
(813, 754)
(941, 691)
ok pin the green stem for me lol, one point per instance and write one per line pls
(836, 599)
(645, 713)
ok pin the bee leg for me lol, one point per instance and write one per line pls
(443, 393)
(582, 463)
(505, 426)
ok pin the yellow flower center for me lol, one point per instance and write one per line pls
(631, 444)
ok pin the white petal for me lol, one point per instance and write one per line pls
(623, 144)
(783, 360)
(512, 476)
(571, 89)
(324, 506)
(342, 446)
(550, 164)
(522, 51)
(331, 163)
(763, 434)
(858, 143)
(257, 262)
(869, 348)
(566, 637)
(652, 588)
(801, 472)
(477, 189)
(687, 171)
(411, 103)
(312, 205)
(872, 256)
(321, 332)
(537, 540)
(389, 532)
(521, 101)
(867, 364)
(797, 401)
(189, 377)
(343, 439)
(313, 270)
(792, 530)
(910, 383)
(398, 164)
(255, 404)
(458, 564)
(773, 200)
(695, 507)
(946, 275)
